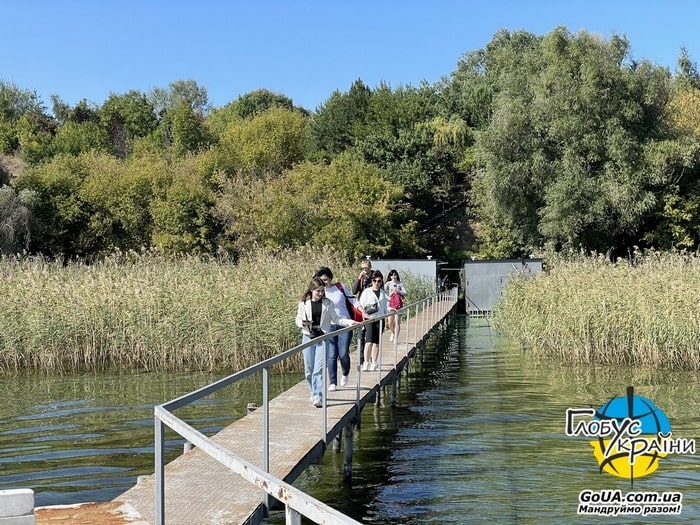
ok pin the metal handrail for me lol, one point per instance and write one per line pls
(297, 503)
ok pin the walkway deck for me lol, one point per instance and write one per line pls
(200, 491)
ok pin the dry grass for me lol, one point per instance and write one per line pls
(588, 310)
(152, 313)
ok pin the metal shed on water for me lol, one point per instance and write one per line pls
(483, 281)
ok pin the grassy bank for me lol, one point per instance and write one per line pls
(151, 313)
(145, 312)
(645, 312)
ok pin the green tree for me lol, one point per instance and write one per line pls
(21, 112)
(120, 193)
(177, 93)
(16, 219)
(62, 215)
(35, 136)
(268, 143)
(16, 102)
(182, 130)
(346, 205)
(74, 138)
(333, 125)
(182, 218)
(125, 118)
(564, 153)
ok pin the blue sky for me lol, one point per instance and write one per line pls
(304, 49)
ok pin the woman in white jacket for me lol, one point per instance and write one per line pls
(373, 304)
(315, 315)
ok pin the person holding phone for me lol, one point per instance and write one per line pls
(315, 315)
(364, 279)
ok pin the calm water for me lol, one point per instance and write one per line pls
(477, 437)
(87, 438)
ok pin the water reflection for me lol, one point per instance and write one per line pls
(479, 437)
(87, 438)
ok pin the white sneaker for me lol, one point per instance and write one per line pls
(331, 388)
(391, 337)
(375, 366)
(318, 402)
(365, 366)
(343, 380)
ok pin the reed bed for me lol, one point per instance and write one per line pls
(643, 312)
(147, 312)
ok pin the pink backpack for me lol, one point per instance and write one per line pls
(396, 301)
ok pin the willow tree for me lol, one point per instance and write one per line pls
(565, 153)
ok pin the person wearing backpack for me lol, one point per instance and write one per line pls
(338, 346)
(396, 292)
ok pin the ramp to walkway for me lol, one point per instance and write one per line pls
(200, 491)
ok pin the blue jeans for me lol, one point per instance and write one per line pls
(338, 350)
(313, 367)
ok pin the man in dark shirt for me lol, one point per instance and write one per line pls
(364, 280)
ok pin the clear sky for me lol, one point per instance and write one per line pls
(304, 49)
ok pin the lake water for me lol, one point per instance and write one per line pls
(478, 436)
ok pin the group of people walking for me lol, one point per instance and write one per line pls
(327, 305)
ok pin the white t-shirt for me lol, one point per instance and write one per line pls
(336, 297)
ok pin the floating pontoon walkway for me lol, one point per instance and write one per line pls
(199, 490)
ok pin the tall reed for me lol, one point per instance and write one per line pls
(144, 311)
(644, 311)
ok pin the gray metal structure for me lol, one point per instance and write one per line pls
(418, 268)
(484, 280)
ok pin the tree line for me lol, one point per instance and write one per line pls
(562, 141)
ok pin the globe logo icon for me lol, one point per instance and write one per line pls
(636, 455)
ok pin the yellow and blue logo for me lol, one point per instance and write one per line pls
(629, 435)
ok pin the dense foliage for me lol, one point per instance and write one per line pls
(145, 311)
(556, 141)
(641, 311)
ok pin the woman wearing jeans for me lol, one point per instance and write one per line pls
(338, 346)
(315, 315)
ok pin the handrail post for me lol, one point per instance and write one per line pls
(160, 470)
(324, 419)
(381, 346)
(415, 327)
(360, 354)
(266, 431)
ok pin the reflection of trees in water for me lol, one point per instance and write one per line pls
(676, 392)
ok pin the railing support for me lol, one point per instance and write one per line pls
(291, 516)
(296, 503)
(347, 457)
(160, 471)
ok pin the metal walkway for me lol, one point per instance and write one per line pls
(205, 486)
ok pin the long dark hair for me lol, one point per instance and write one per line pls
(393, 272)
(314, 284)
